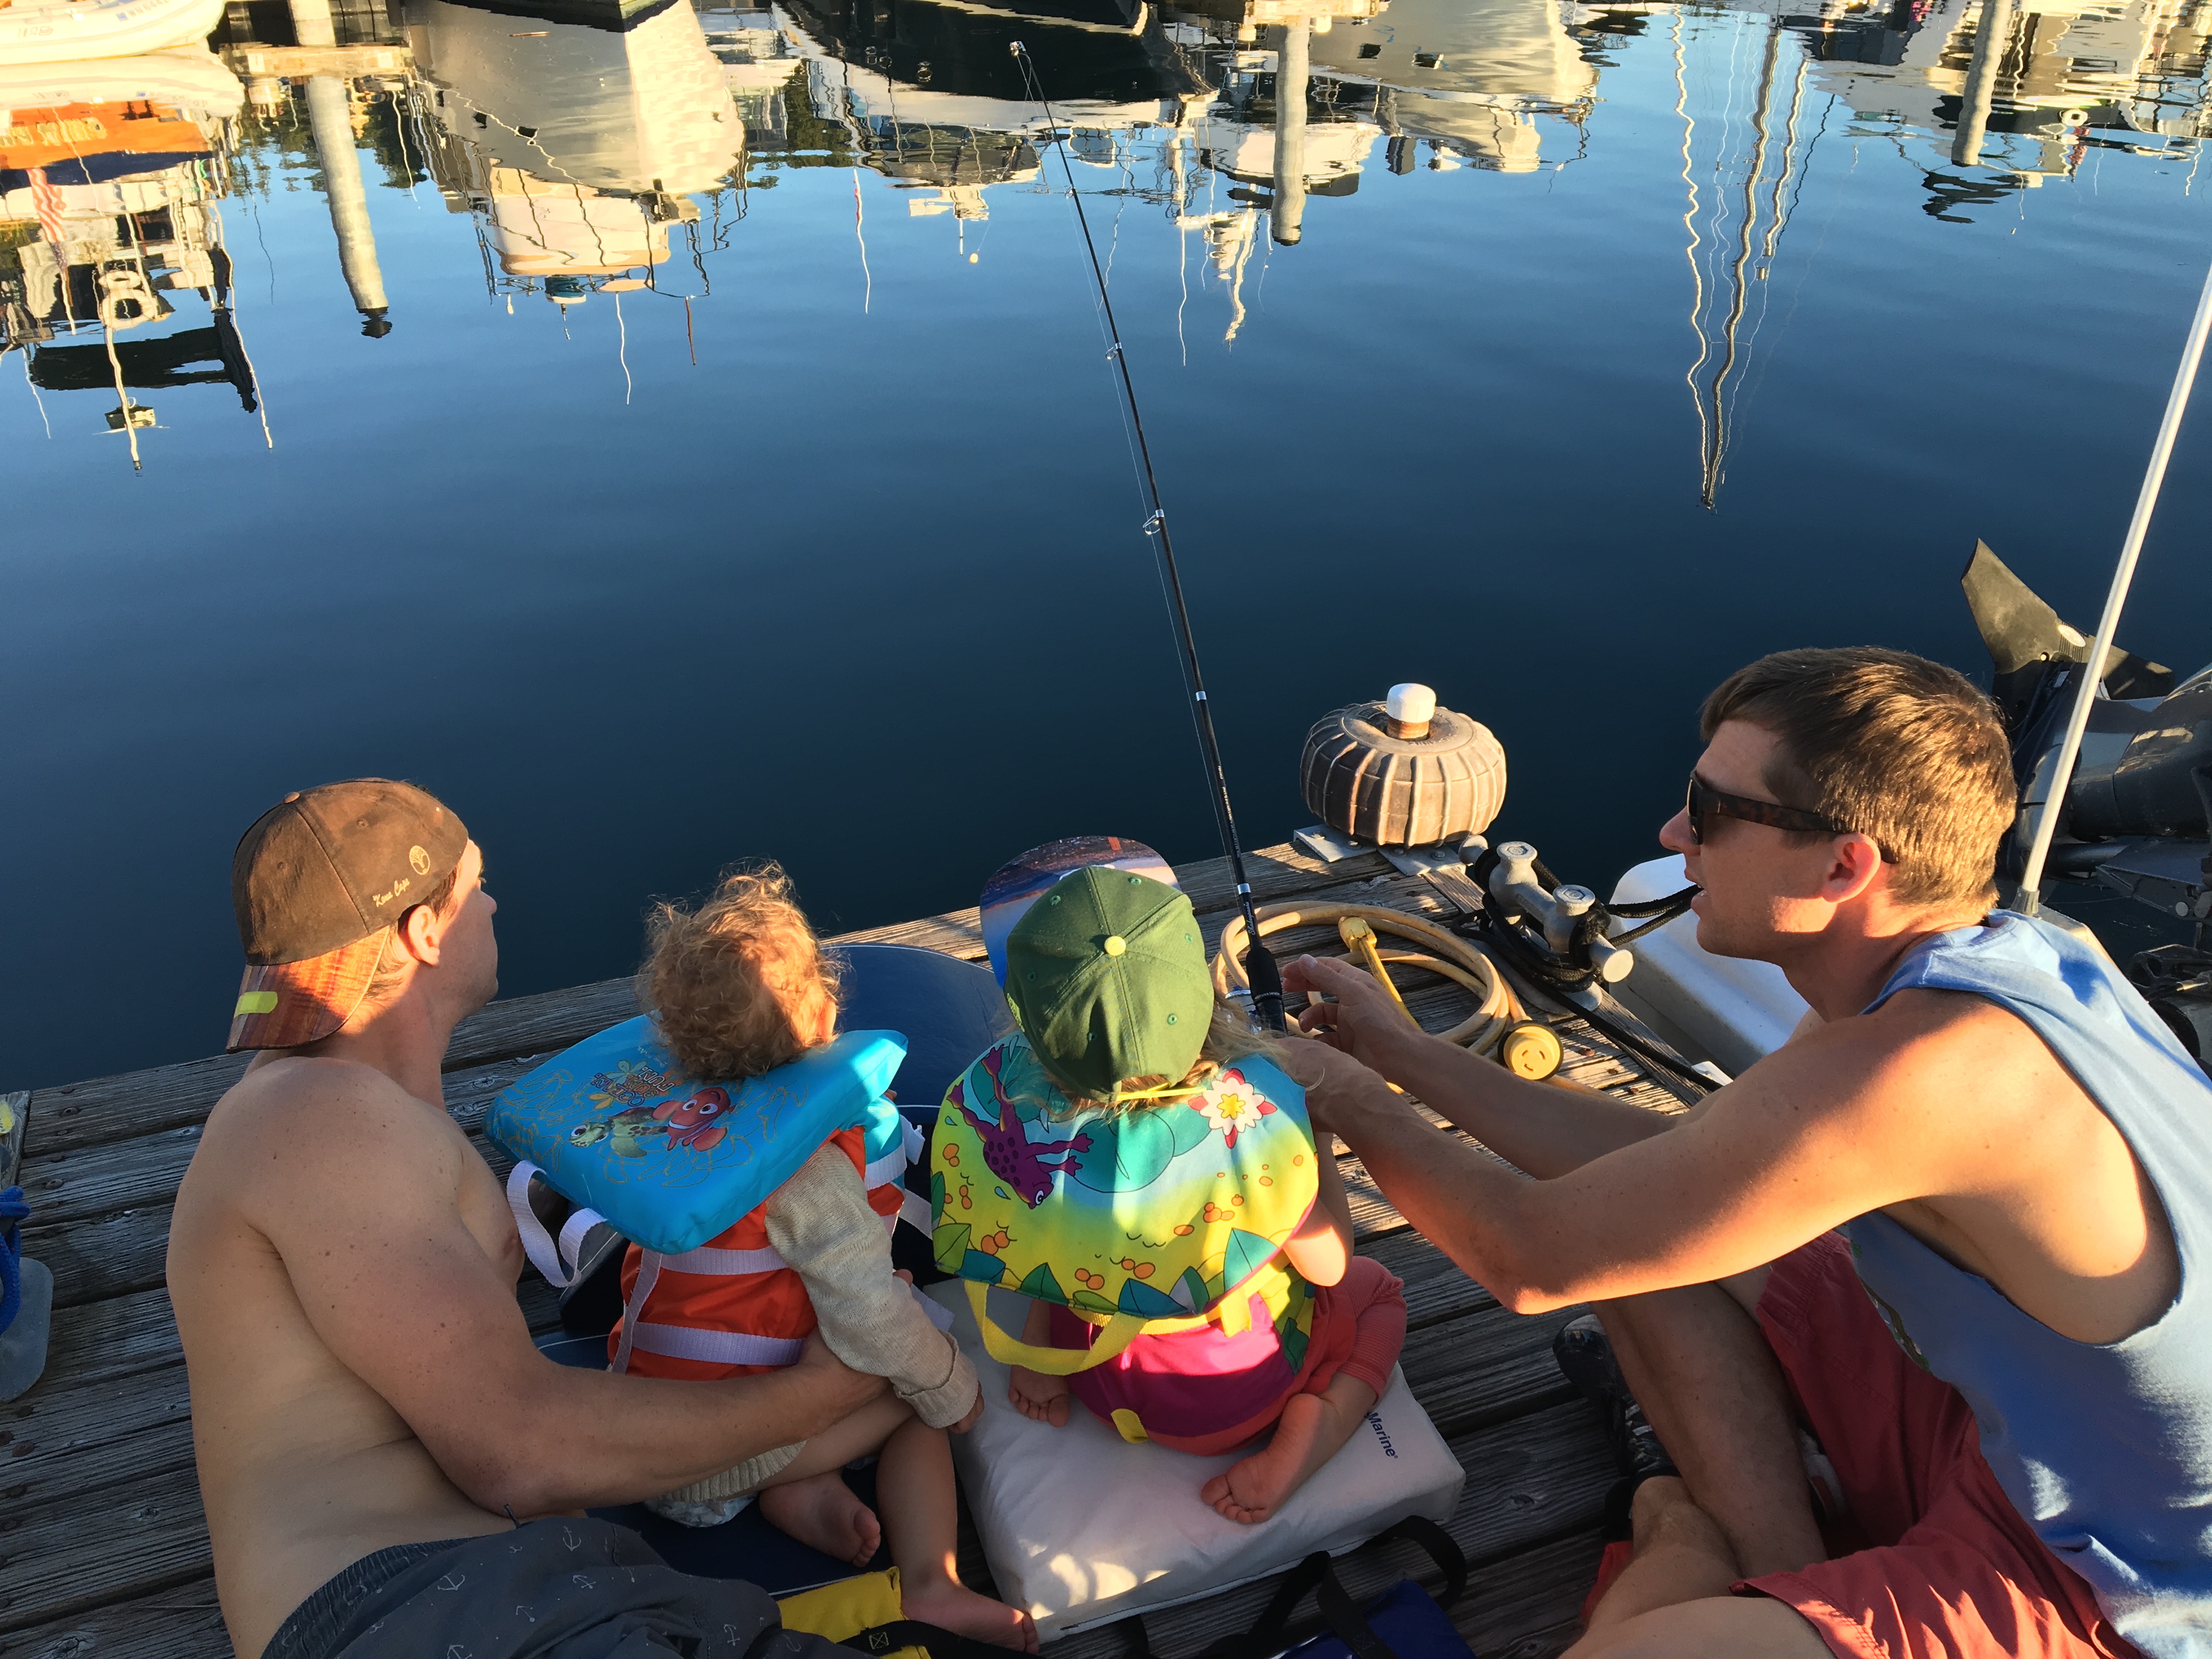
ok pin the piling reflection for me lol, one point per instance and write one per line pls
(601, 146)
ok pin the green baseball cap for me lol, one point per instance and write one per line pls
(1106, 974)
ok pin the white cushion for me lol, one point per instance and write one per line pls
(1082, 1528)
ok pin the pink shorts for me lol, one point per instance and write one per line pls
(1204, 1392)
(1941, 1565)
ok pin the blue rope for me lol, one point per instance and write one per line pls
(13, 1211)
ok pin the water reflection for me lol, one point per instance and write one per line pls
(575, 145)
(110, 175)
(2023, 92)
(585, 136)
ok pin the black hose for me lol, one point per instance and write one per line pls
(1659, 921)
(1672, 905)
(1704, 1085)
(1260, 968)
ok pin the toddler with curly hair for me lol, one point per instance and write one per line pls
(738, 987)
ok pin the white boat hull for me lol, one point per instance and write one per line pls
(190, 77)
(55, 33)
(1732, 1011)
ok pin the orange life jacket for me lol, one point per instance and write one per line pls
(733, 1306)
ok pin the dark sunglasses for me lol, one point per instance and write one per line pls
(1703, 799)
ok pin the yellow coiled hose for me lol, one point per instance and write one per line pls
(1497, 1010)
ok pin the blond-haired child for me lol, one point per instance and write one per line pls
(1107, 974)
(738, 987)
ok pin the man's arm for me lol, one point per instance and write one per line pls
(1839, 1123)
(360, 1197)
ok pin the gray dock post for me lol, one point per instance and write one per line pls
(1992, 35)
(1293, 69)
(330, 113)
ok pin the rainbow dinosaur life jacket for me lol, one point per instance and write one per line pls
(617, 1128)
(1161, 1218)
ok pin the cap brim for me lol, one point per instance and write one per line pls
(288, 1004)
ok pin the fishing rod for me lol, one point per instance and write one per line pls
(1260, 969)
(2108, 625)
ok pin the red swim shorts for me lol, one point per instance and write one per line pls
(1942, 1566)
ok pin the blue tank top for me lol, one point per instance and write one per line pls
(2105, 1449)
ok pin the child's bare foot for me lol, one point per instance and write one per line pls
(951, 1605)
(1257, 1488)
(823, 1513)
(1041, 1399)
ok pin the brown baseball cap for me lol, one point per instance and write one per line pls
(315, 882)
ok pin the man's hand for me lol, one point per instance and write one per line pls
(831, 1378)
(1364, 1022)
(974, 1411)
(1328, 1075)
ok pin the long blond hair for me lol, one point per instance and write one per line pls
(1230, 1036)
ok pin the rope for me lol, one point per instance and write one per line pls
(1444, 953)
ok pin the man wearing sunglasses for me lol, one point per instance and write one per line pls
(1944, 1227)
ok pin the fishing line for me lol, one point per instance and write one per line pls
(1265, 979)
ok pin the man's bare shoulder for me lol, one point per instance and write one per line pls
(1928, 1027)
(290, 1124)
(1921, 1050)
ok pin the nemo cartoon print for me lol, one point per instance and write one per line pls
(615, 1126)
(1163, 1213)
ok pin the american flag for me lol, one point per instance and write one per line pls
(48, 201)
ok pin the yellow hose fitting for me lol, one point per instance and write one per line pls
(1530, 1049)
(1359, 939)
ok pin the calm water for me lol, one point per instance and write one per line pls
(695, 442)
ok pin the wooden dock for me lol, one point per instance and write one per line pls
(103, 1547)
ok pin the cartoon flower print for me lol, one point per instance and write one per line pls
(1231, 1105)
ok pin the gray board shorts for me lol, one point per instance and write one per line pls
(555, 1588)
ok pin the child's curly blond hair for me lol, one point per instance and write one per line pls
(729, 982)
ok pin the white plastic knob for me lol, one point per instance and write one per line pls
(1411, 705)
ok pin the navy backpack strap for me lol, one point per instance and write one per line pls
(1450, 1559)
(1345, 1618)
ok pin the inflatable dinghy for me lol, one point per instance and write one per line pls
(56, 31)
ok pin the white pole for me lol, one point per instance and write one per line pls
(2046, 823)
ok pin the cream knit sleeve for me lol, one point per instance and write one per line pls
(820, 1223)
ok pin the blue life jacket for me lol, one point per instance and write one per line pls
(2105, 1448)
(615, 1126)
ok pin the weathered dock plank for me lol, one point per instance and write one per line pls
(181, 1622)
(110, 1544)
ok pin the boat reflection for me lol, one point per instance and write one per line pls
(110, 172)
(2022, 92)
(585, 137)
(577, 145)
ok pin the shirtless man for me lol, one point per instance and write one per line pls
(2017, 1150)
(374, 1431)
